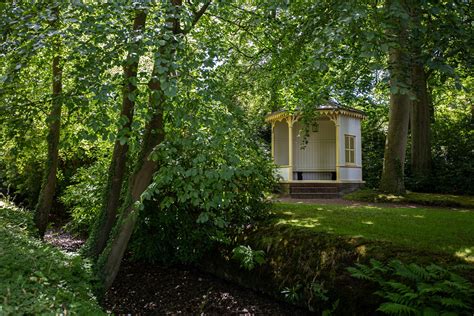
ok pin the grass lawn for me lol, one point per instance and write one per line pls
(428, 199)
(449, 231)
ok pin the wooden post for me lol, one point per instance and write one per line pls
(335, 119)
(290, 147)
(273, 141)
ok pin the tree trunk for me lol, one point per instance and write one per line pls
(421, 118)
(146, 167)
(421, 125)
(48, 189)
(101, 231)
(392, 180)
(139, 182)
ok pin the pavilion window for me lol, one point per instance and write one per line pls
(350, 148)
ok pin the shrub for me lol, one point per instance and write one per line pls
(213, 178)
(84, 196)
(248, 257)
(409, 289)
(36, 278)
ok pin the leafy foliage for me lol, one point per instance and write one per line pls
(213, 180)
(83, 196)
(36, 278)
(411, 289)
(248, 257)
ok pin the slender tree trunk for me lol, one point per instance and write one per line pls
(421, 120)
(392, 180)
(144, 170)
(48, 189)
(139, 182)
(101, 231)
(146, 167)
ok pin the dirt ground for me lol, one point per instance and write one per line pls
(146, 289)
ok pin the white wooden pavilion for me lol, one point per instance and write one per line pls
(325, 164)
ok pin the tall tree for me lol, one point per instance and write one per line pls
(48, 188)
(160, 86)
(104, 225)
(400, 82)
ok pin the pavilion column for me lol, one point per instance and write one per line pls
(273, 141)
(336, 121)
(290, 147)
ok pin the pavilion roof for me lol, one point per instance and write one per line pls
(331, 108)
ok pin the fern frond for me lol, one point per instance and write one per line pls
(408, 299)
(396, 309)
(400, 287)
(452, 302)
(403, 271)
(420, 272)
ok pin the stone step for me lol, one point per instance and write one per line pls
(314, 185)
(313, 190)
(314, 195)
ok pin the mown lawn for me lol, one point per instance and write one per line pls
(449, 231)
(427, 199)
(36, 278)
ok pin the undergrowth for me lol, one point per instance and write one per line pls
(36, 278)
(410, 289)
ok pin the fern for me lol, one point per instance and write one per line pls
(396, 309)
(415, 290)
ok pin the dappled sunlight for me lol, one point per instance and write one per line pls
(391, 197)
(371, 207)
(302, 222)
(362, 250)
(466, 254)
(416, 228)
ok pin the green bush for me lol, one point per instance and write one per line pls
(212, 179)
(84, 196)
(36, 278)
(247, 257)
(409, 289)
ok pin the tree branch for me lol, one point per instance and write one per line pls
(197, 16)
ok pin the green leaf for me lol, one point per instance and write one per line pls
(203, 218)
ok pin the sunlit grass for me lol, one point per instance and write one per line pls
(429, 199)
(432, 229)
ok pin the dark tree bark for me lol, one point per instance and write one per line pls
(392, 180)
(48, 189)
(146, 167)
(101, 231)
(421, 125)
(421, 109)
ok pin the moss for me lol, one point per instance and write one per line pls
(429, 199)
